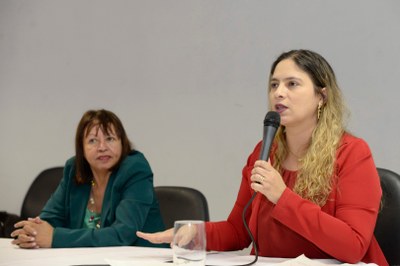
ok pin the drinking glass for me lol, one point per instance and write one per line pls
(189, 243)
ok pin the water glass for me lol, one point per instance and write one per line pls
(189, 243)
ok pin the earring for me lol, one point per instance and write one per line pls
(319, 110)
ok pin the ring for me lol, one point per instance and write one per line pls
(262, 178)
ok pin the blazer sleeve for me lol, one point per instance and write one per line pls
(345, 235)
(55, 210)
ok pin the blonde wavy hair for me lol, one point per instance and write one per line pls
(317, 166)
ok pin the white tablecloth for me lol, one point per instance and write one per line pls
(11, 255)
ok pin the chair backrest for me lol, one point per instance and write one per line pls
(181, 203)
(387, 229)
(40, 191)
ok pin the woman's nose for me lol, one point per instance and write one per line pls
(102, 145)
(279, 91)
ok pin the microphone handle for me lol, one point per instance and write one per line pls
(269, 135)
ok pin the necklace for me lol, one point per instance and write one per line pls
(94, 218)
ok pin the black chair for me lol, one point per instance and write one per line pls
(181, 203)
(38, 193)
(387, 229)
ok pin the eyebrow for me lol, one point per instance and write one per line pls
(286, 79)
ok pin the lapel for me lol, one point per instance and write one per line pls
(108, 199)
(78, 204)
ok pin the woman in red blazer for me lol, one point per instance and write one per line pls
(319, 194)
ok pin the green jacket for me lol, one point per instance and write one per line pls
(129, 205)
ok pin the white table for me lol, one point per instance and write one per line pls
(11, 255)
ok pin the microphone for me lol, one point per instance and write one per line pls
(271, 123)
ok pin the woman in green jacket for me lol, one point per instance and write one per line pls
(106, 193)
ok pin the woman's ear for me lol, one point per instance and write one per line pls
(324, 95)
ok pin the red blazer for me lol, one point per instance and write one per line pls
(341, 229)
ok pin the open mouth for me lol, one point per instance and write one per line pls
(280, 108)
(104, 158)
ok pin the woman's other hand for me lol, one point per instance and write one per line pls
(266, 180)
(158, 238)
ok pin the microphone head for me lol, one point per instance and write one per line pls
(272, 119)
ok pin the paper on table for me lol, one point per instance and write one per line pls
(226, 258)
(302, 260)
(135, 262)
(233, 258)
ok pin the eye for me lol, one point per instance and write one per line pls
(273, 85)
(292, 84)
(110, 138)
(92, 141)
